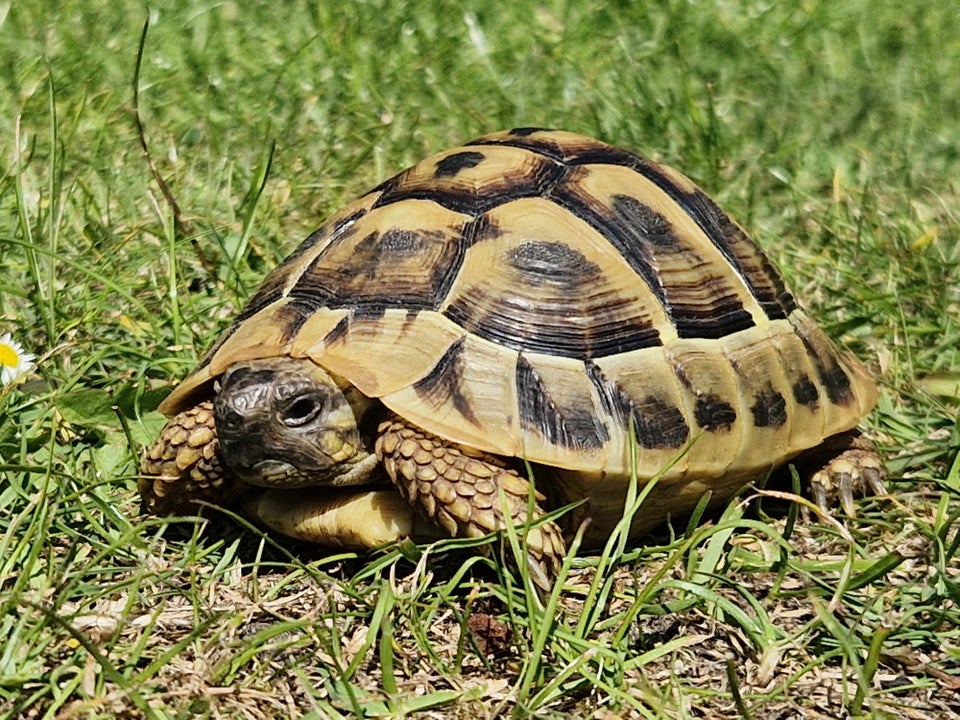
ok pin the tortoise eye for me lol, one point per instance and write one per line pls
(301, 411)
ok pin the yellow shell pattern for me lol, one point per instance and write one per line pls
(542, 295)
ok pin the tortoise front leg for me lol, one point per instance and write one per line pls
(182, 468)
(459, 489)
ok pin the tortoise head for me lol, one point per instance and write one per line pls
(284, 422)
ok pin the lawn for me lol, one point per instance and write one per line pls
(830, 130)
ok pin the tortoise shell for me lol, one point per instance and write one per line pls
(544, 295)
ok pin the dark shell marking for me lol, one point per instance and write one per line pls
(546, 295)
(714, 414)
(412, 267)
(445, 381)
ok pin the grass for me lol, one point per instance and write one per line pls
(830, 130)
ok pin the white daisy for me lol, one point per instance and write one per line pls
(14, 362)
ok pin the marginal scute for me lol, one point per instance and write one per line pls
(555, 405)
(658, 424)
(444, 383)
(837, 384)
(641, 394)
(712, 399)
(841, 376)
(652, 420)
(713, 413)
(488, 388)
(805, 392)
(762, 384)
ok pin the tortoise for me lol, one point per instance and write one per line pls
(534, 300)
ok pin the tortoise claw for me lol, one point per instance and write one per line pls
(845, 493)
(847, 465)
(875, 479)
(820, 496)
(541, 574)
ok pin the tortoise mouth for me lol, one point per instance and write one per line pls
(361, 475)
(277, 474)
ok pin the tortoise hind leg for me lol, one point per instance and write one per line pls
(459, 489)
(842, 466)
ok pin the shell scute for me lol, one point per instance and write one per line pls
(547, 283)
(556, 406)
(686, 272)
(473, 180)
(641, 393)
(544, 295)
(398, 256)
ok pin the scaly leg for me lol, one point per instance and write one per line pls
(459, 489)
(183, 467)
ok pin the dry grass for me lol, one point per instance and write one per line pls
(283, 641)
(830, 130)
